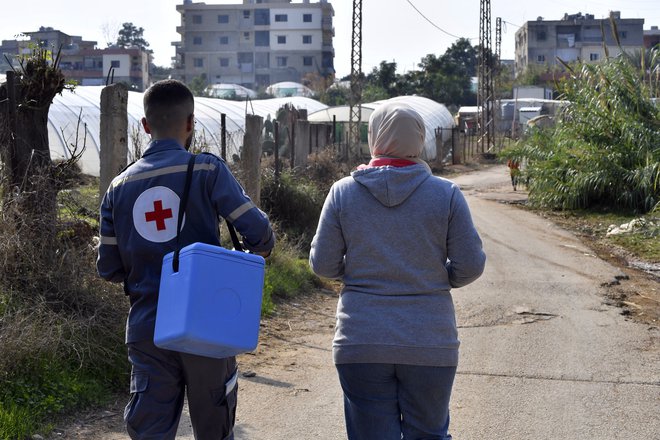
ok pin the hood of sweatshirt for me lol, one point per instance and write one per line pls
(390, 185)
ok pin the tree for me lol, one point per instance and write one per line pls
(382, 81)
(130, 35)
(462, 58)
(198, 85)
(160, 72)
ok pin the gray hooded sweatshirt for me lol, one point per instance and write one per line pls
(399, 238)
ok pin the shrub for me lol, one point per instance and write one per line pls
(295, 199)
(605, 149)
(287, 273)
(61, 327)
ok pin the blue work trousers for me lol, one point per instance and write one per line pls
(394, 402)
(159, 379)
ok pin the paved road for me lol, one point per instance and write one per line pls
(541, 357)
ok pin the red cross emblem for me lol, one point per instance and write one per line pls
(158, 215)
(155, 214)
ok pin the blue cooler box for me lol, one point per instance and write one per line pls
(212, 306)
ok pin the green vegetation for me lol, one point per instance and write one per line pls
(294, 201)
(604, 151)
(61, 327)
(35, 395)
(642, 241)
(600, 164)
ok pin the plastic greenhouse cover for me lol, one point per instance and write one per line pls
(74, 122)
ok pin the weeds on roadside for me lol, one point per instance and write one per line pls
(61, 327)
(605, 148)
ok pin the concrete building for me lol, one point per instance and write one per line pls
(576, 37)
(82, 61)
(651, 37)
(256, 43)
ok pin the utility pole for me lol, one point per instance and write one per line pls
(497, 70)
(498, 38)
(353, 147)
(485, 95)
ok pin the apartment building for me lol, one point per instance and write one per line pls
(652, 37)
(256, 43)
(82, 61)
(575, 37)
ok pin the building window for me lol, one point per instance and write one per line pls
(261, 17)
(623, 34)
(307, 18)
(593, 57)
(308, 61)
(281, 39)
(307, 39)
(224, 62)
(281, 61)
(262, 60)
(197, 19)
(262, 38)
(246, 14)
(198, 62)
(197, 41)
(224, 40)
(281, 17)
(115, 63)
(540, 58)
(246, 36)
(223, 19)
(541, 36)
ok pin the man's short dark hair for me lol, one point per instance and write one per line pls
(167, 103)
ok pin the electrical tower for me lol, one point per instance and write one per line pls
(485, 96)
(356, 84)
(498, 39)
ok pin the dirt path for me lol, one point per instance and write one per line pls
(546, 352)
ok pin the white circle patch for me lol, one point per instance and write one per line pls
(155, 214)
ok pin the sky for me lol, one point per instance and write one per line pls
(392, 30)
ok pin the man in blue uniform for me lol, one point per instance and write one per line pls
(138, 227)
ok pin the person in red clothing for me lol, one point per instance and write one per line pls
(514, 170)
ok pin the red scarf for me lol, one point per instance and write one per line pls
(386, 161)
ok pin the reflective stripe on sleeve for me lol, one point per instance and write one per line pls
(236, 213)
(109, 240)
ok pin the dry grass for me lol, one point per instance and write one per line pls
(52, 304)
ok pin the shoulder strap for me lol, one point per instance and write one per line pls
(234, 238)
(182, 209)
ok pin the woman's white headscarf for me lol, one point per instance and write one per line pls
(396, 130)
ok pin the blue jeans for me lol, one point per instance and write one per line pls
(394, 402)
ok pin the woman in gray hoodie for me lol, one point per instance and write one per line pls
(399, 238)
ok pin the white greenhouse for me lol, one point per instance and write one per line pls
(435, 115)
(74, 119)
(288, 88)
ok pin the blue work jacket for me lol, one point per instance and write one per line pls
(139, 218)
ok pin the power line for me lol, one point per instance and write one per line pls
(512, 24)
(433, 24)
